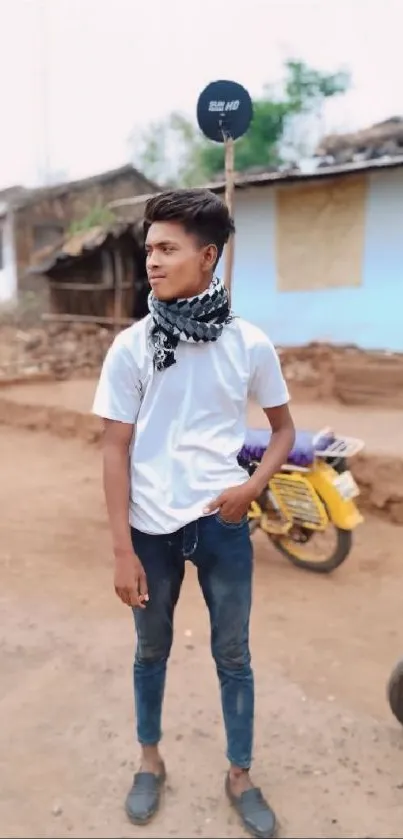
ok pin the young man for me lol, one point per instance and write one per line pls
(173, 393)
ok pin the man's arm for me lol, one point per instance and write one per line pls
(276, 454)
(117, 401)
(116, 476)
(269, 390)
(234, 502)
(130, 579)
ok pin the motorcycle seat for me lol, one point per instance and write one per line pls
(302, 452)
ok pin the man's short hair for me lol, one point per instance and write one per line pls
(199, 211)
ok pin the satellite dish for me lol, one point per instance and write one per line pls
(224, 111)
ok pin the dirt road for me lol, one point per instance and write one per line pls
(327, 750)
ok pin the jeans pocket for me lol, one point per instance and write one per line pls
(232, 525)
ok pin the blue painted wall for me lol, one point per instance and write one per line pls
(370, 315)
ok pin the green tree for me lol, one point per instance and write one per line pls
(305, 86)
(175, 151)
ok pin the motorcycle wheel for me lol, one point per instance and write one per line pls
(292, 549)
(395, 691)
(325, 566)
(343, 540)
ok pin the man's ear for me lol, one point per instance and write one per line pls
(209, 257)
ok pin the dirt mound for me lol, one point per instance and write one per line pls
(370, 381)
(380, 479)
(58, 420)
(348, 375)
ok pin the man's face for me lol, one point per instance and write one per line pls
(177, 266)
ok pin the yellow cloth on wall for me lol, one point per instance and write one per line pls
(320, 234)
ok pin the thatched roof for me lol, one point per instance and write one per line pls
(384, 139)
(12, 193)
(19, 197)
(10, 196)
(77, 246)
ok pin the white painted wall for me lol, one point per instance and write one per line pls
(369, 315)
(8, 275)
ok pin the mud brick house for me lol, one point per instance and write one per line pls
(33, 219)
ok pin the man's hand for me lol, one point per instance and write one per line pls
(233, 503)
(130, 579)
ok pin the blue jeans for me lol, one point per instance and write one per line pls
(222, 554)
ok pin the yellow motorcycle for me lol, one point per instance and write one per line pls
(311, 499)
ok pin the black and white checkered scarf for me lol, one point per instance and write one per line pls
(196, 319)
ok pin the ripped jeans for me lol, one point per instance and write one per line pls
(222, 554)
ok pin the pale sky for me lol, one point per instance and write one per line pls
(107, 66)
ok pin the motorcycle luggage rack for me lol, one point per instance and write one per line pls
(339, 447)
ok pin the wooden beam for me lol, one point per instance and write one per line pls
(118, 301)
(229, 200)
(85, 286)
(56, 318)
(107, 268)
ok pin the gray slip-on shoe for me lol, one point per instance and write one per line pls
(255, 813)
(143, 800)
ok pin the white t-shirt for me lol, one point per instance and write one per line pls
(190, 419)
